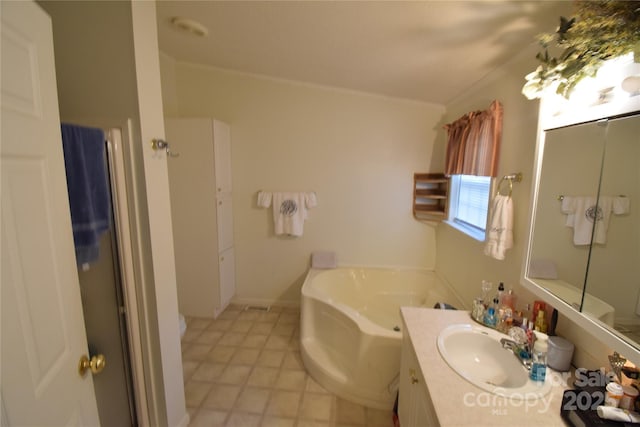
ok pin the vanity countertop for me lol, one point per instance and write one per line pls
(460, 403)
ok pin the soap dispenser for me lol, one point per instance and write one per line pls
(539, 357)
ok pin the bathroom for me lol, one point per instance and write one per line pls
(285, 134)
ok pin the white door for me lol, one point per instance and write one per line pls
(43, 335)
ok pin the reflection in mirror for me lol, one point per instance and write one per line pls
(579, 164)
(614, 266)
(570, 168)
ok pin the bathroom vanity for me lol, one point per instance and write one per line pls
(432, 393)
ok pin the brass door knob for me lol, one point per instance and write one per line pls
(96, 364)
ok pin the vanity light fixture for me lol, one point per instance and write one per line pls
(189, 26)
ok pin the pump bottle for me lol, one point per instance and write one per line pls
(539, 357)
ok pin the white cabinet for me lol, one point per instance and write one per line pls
(202, 214)
(224, 213)
(222, 156)
(414, 406)
(227, 276)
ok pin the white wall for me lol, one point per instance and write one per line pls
(357, 151)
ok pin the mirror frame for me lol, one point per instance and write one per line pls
(550, 118)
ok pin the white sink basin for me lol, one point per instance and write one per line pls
(475, 353)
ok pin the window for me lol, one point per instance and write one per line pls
(469, 204)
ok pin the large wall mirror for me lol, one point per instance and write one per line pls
(584, 245)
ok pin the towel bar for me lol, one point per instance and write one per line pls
(561, 196)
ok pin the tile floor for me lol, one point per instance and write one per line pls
(244, 369)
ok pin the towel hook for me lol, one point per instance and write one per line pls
(517, 177)
(161, 144)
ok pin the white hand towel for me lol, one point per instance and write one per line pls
(290, 210)
(264, 199)
(568, 208)
(311, 201)
(621, 205)
(500, 236)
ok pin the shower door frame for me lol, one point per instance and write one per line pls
(119, 136)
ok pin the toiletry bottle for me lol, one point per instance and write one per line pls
(517, 318)
(486, 288)
(478, 310)
(526, 313)
(506, 322)
(500, 292)
(490, 317)
(537, 306)
(539, 357)
(541, 323)
(505, 319)
(509, 299)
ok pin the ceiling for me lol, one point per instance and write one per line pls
(429, 51)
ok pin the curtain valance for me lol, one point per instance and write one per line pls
(473, 142)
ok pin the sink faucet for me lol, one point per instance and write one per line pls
(520, 352)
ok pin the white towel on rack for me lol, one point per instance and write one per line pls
(290, 210)
(582, 211)
(500, 236)
(264, 199)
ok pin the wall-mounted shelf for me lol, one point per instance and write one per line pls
(430, 196)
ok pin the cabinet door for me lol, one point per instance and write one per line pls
(227, 277)
(225, 222)
(222, 153)
(405, 392)
(414, 407)
(423, 409)
(194, 214)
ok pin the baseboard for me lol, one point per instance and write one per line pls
(265, 302)
(184, 422)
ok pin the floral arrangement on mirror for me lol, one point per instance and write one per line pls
(598, 31)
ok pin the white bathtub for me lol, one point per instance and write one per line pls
(350, 327)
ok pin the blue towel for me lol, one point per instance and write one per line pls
(89, 197)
